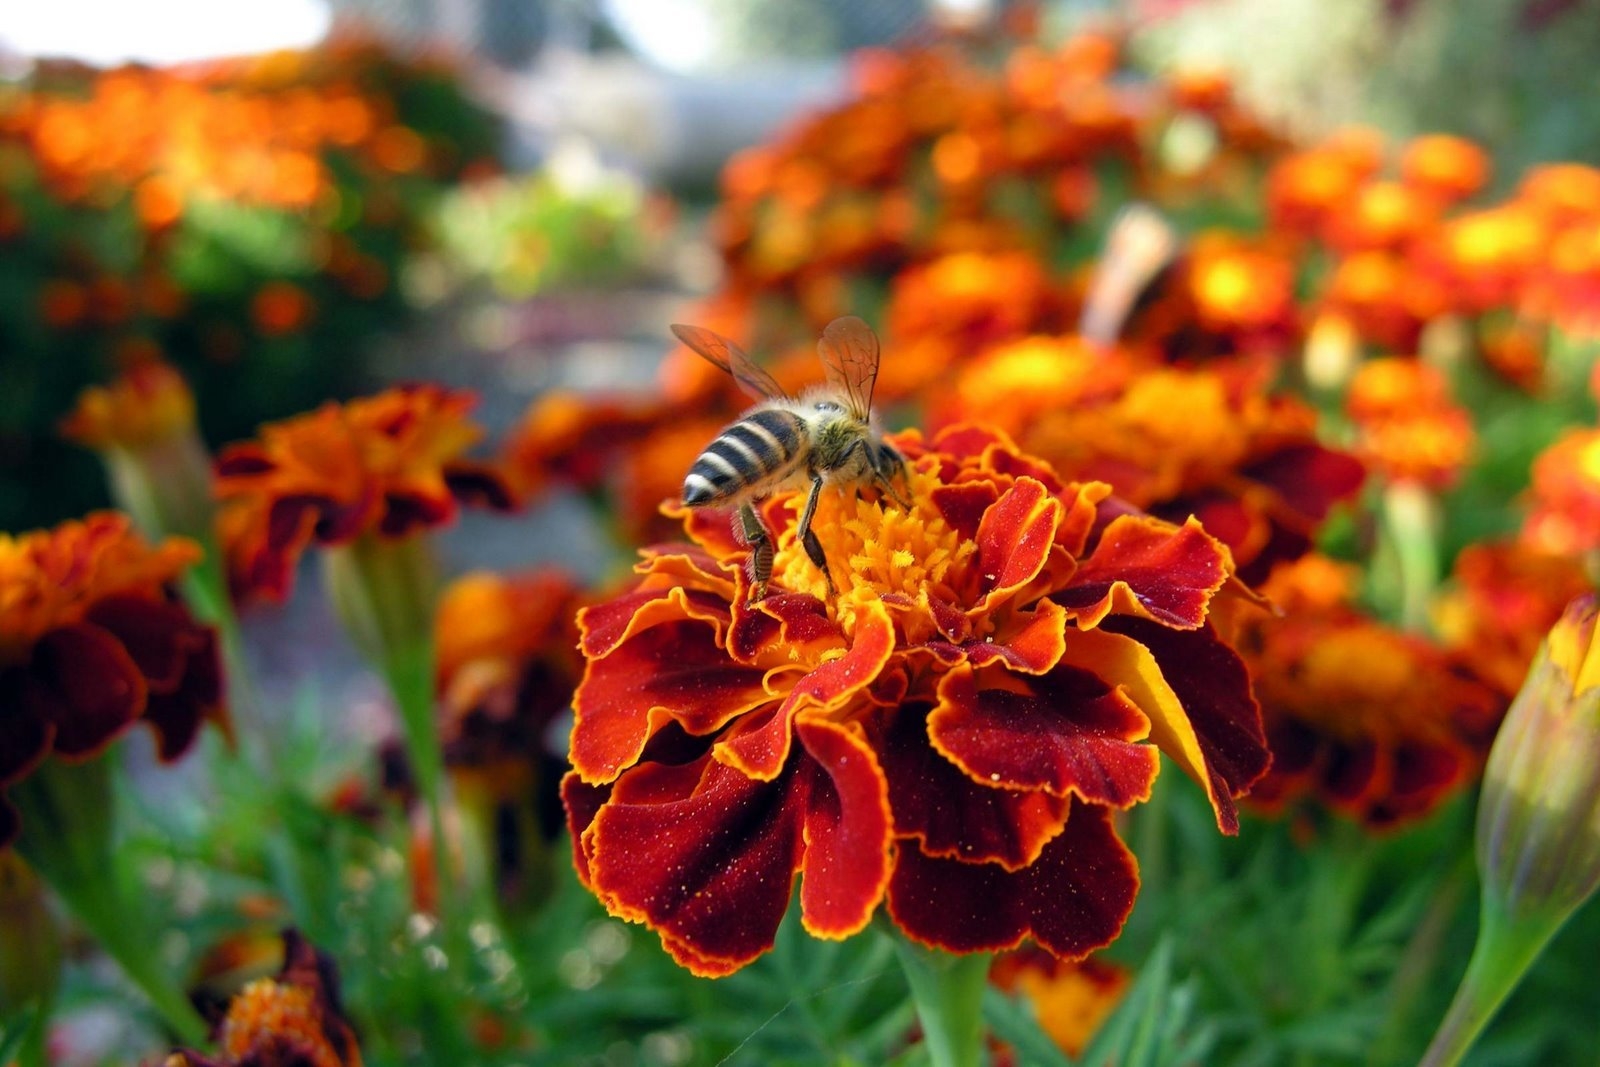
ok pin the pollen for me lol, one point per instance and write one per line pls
(874, 548)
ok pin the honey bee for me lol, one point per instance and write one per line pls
(824, 436)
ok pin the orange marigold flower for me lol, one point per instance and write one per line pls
(280, 308)
(1071, 999)
(1377, 724)
(1445, 167)
(1504, 597)
(1408, 426)
(870, 740)
(1247, 464)
(148, 404)
(1564, 499)
(295, 1018)
(1305, 188)
(91, 642)
(387, 465)
(1382, 215)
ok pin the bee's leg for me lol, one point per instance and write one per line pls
(808, 536)
(755, 535)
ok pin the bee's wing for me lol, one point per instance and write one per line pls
(849, 351)
(722, 352)
(1139, 245)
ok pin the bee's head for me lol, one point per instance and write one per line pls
(887, 466)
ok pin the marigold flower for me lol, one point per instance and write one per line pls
(1564, 499)
(1071, 999)
(1247, 464)
(950, 734)
(1504, 597)
(294, 1018)
(1376, 724)
(1409, 428)
(1446, 167)
(386, 465)
(91, 643)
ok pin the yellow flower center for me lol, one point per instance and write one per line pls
(874, 547)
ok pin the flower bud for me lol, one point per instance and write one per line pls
(1539, 817)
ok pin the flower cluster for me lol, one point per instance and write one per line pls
(950, 735)
(91, 643)
(385, 466)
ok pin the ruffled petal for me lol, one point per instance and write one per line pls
(952, 814)
(1146, 567)
(159, 635)
(1014, 539)
(1070, 732)
(1072, 900)
(847, 831)
(25, 735)
(84, 682)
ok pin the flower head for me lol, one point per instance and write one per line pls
(294, 1018)
(1539, 816)
(387, 465)
(949, 734)
(1410, 428)
(1374, 723)
(1564, 505)
(148, 404)
(91, 643)
(1071, 998)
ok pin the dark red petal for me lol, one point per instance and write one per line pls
(1032, 646)
(1014, 539)
(952, 815)
(674, 670)
(702, 854)
(1071, 733)
(243, 460)
(480, 485)
(1143, 566)
(1072, 900)
(24, 735)
(1309, 478)
(963, 505)
(176, 717)
(847, 830)
(1213, 685)
(160, 636)
(87, 685)
(582, 802)
(1351, 772)
(407, 512)
(785, 621)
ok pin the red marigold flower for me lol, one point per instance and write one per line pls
(1564, 500)
(294, 1018)
(1409, 427)
(950, 734)
(387, 465)
(92, 643)
(1376, 724)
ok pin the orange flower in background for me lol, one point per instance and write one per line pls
(91, 643)
(1249, 465)
(1445, 167)
(1304, 189)
(1375, 724)
(280, 308)
(1071, 999)
(1503, 598)
(148, 404)
(295, 1018)
(722, 746)
(1408, 427)
(1564, 500)
(387, 465)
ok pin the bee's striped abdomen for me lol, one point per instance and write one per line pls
(756, 448)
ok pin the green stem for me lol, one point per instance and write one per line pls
(67, 839)
(1507, 946)
(384, 591)
(1410, 528)
(948, 992)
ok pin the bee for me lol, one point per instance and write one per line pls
(824, 436)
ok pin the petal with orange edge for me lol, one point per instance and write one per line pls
(1148, 568)
(1072, 900)
(1070, 733)
(1014, 540)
